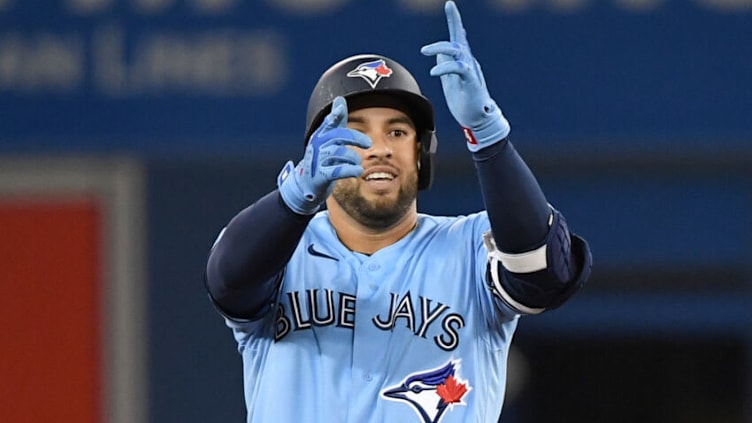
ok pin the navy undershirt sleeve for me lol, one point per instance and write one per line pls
(243, 267)
(516, 205)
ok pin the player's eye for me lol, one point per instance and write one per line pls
(397, 133)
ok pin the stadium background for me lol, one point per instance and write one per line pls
(132, 130)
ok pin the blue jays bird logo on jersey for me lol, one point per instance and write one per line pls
(431, 392)
(371, 72)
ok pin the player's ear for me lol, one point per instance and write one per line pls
(418, 153)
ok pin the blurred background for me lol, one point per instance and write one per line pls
(131, 131)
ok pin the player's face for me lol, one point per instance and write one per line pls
(388, 187)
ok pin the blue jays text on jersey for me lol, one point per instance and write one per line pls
(320, 308)
(411, 333)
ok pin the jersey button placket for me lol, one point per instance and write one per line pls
(373, 267)
(368, 280)
(363, 353)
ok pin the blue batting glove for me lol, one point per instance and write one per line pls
(327, 158)
(464, 86)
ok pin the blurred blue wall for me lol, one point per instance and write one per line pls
(211, 75)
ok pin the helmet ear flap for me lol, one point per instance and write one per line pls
(428, 146)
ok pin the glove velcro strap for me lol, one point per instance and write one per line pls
(300, 202)
(493, 129)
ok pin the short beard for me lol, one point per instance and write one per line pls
(380, 214)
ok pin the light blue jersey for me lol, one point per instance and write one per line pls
(412, 333)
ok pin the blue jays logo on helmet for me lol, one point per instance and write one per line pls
(431, 392)
(371, 72)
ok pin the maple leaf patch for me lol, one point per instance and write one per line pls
(452, 391)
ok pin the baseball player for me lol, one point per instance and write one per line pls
(350, 306)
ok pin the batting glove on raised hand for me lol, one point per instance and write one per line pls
(327, 158)
(465, 87)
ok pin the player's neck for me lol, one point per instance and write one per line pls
(363, 239)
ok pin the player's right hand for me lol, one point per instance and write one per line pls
(327, 158)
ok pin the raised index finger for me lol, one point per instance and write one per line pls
(454, 22)
(338, 113)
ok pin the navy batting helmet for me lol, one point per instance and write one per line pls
(371, 80)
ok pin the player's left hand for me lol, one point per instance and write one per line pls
(465, 87)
